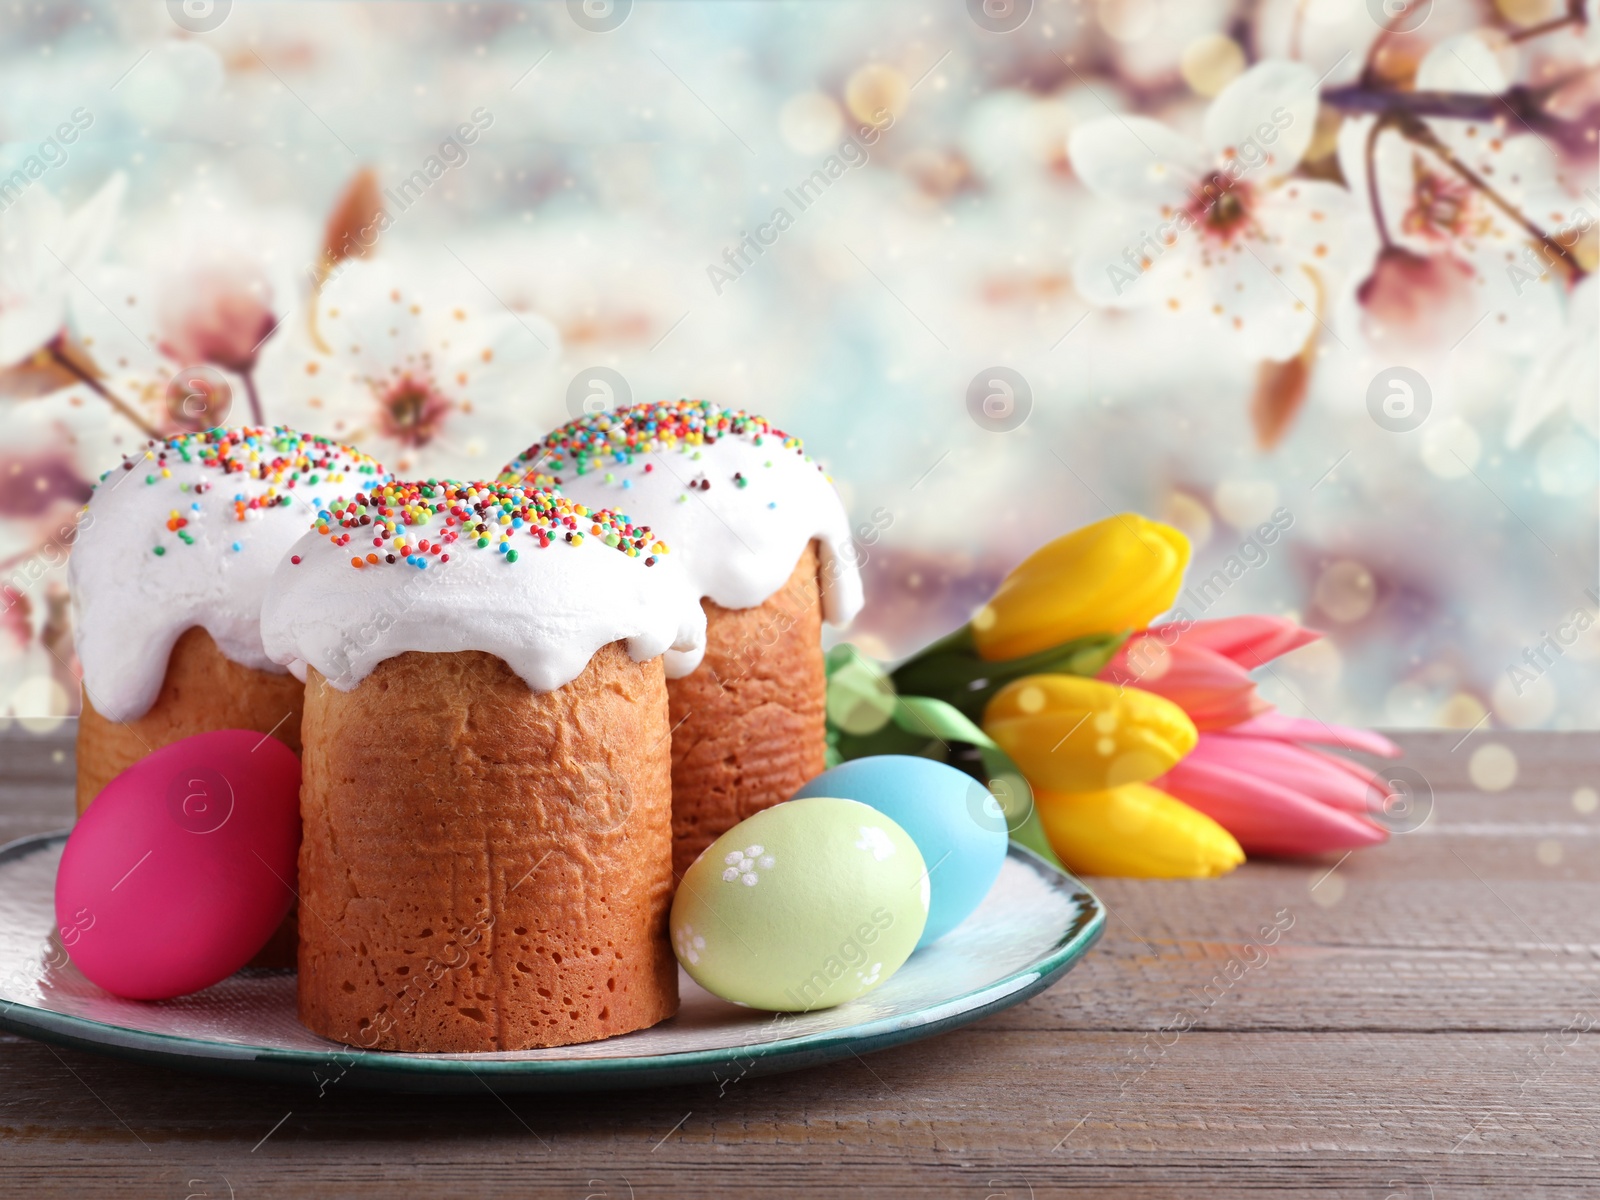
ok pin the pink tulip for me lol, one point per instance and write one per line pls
(1250, 640)
(1205, 668)
(1266, 816)
(1274, 724)
(1215, 691)
(1319, 776)
(1252, 771)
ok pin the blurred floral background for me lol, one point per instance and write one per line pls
(1309, 279)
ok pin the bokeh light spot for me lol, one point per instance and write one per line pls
(1492, 767)
(1346, 591)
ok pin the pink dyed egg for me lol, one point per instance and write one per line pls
(183, 866)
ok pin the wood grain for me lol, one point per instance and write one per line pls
(1420, 1029)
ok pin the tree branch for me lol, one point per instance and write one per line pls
(1417, 131)
(99, 389)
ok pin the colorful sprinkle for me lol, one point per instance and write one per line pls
(477, 515)
(277, 457)
(601, 440)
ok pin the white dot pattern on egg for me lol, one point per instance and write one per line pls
(802, 906)
(957, 823)
(876, 841)
(742, 864)
(688, 943)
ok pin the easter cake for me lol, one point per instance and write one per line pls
(486, 792)
(765, 542)
(168, 566)
(172, 555)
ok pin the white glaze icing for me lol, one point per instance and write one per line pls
(677, 466)
(544, 610)
(131, 604)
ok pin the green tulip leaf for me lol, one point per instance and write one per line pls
(926, 727)
(1031, 834)
(860, 698)
(841, 654)
(891, 739)
(939, 719)
(952, 670)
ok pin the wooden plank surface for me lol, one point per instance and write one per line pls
(1425, 1024)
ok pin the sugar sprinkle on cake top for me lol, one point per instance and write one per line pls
(420, 523)
(264, 467)
(185, 533)
(606, 439)
(532, 576)
(736, 497)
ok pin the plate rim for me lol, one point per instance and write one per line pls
(394, 1071)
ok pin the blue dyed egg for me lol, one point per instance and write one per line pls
(957, 825)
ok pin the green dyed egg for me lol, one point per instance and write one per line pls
(803, 906)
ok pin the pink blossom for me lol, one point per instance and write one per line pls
(411, 407)
(1451, 256)
(36, 486)
(42, 250)
(217, 312)
(1417, 299)
(16, 628)
(1219, 230)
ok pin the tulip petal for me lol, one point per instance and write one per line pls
(1268, 818)
(1249, 641)
(1303, 729)
(1214, 690)
(1375, 779)
(1114, 575)
(1135, 831)
(1071, 734)
(1319, 776)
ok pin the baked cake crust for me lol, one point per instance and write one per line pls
(749, 723)
(203, 690)
(486, 867)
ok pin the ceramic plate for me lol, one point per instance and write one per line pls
(1034, 925)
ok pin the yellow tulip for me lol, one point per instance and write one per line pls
(1135, 830)
(1114, 575)
(1071, 734)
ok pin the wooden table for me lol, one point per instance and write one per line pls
(1420, 1027)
